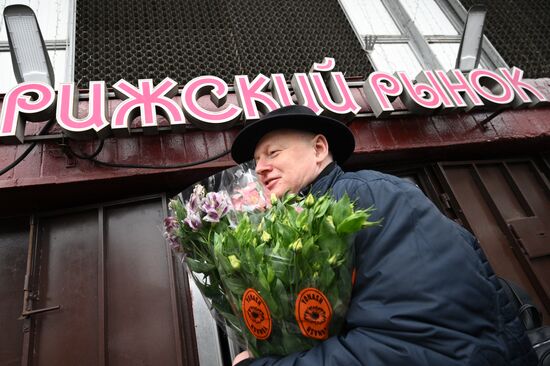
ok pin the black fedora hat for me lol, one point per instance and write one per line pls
(340, 139)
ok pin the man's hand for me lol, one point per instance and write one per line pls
(241, 356)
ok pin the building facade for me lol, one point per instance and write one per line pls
(86, 277)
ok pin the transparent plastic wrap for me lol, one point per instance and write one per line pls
(276, 271)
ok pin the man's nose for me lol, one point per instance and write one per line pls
(261, 166)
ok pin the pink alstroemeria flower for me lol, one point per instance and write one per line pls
(251, 198)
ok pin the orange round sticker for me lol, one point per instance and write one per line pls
(313, 313)
(256, 314)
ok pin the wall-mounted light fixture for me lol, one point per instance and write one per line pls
(469, 53)
(29, 55)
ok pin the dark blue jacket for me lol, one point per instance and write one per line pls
(424, 293)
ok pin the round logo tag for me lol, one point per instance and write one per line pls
(256, 314)
(313, 313)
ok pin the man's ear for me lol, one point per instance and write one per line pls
(320, 144)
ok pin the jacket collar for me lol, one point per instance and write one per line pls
(324, 181)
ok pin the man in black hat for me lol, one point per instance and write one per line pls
(424, 292)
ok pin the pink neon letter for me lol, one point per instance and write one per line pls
(217, 89)
(20, 106)
(339, 100)
(325, 66)
(380, 90)
(419, 97)
(304, 92)
(279, 90)
(521, 87)
(67, 110)
(428, 77)
(250, 94)
(150, 100)
(496, 91)
(456, 84)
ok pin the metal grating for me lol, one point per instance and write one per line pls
(519, 30)
(136, 39)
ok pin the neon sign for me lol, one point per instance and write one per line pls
(323, 90)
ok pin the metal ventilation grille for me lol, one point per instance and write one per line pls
(519, 30)
(137, 39)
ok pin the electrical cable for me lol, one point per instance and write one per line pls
(91, 157)
(138, 166)
(172, 166)
(26, 152)
(83, 156)
(18, 160)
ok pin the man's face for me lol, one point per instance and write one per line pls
(287, 161)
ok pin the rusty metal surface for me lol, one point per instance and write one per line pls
(66, 275)
(138, 295)
(108, 267)
(13, 255)
(532, 236)
(508, 209)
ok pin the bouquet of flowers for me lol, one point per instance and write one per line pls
(278, 271)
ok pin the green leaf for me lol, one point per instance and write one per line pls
(352, 223)
(231, 243)
(327, 226)
(281, 269)
(289, 198)
(263, 280)
(199, 267)
(272, 304)
(308, 247)
(302, 219)
(341, 210)
(326, 277)
(235, 321)
(285, 233)
(333, 244)
(259, 253)
(270, 274)
(322, 206)
(224, 266)
(292, 344)
(235, 285)
(345, 274)
(211, 291)
(282, 294)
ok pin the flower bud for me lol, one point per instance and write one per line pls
(330, 221)
(234, 261)
(332, 260)
(199, 191)
(310, 200)
(266, 236)
(172, 205)
(296, 246)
